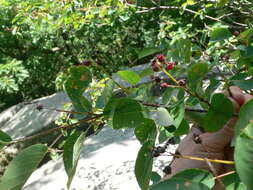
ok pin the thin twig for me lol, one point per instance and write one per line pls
(186, 109)
(43, 133)
(55, 141)
(213, 170)
(225, 174)
(240, 25)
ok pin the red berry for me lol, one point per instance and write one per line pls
(160, 58)
(170, 66)
(236, 33)
(86, 63)
(39, 107)
(164, 85)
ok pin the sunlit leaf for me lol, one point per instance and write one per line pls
(22, 166)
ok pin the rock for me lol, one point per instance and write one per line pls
(106, 162)
(24, 119)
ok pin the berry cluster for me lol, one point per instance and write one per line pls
(157, 151)
(160, 62)
(157, 64)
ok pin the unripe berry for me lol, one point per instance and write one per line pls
(160, 58)
(164, 85)
(182, 82)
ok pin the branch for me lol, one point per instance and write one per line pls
(186, 109)
(240, 25)
(43, 133)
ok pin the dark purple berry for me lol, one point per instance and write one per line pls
(155, 154)
(167, 170)
(160, 149)
(39, 107)
(171, 141)
(225, 57)
(236, 33)
(155, 68)
(197, 139)
(157, 79)
(154, 63)
(86, 63)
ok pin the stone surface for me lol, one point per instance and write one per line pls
(106, 163)
(24, 119)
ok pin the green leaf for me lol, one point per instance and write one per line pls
(183, 128)
(129, 76)
(4, 138)
(222, 3)
(164, 134)
(146, 72)
(196, 73)
(244, 84)
(155, 177)
(145, 131)
(143, 165)
(179, 184)
(246, 36)
(233, 182)
(22, 166)
(214, 83)
(71, 154)
(219, 34)
(195, 117)
(106, 95)
(127, 114)
(78, 80)
(196, 175)
(178, 114)
(180, 51)
(244, 155)
(220, 111)
(147, 51)
(163, 117)
(167, 95)
(245, 115)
